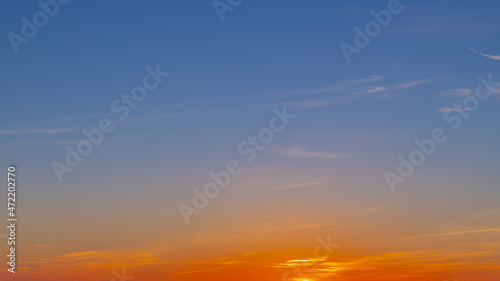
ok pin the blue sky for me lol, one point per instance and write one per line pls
(75, 67)
(226, 76)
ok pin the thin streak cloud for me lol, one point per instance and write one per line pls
(300, 152)
(452, 233)
(493, 57)
(36, 131)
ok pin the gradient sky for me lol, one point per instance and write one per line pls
(322, 176)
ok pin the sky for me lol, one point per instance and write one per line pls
(251, 140)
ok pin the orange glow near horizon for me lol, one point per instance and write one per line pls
(307, 262)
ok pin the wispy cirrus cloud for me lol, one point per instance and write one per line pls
(317, 102)
(474, 231)
(45, 246)
(371, 90)
(461, 93)
(39, 142)
(326, 225)
(347, 87)
(343, 92)
(457, 92)
(35, 131)
(73, 141)
(493, 57)
(449, 109)
(408, 84)
(301, 152)
(374, 209)
(291, 181)
(392, 88)
(330, 89)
